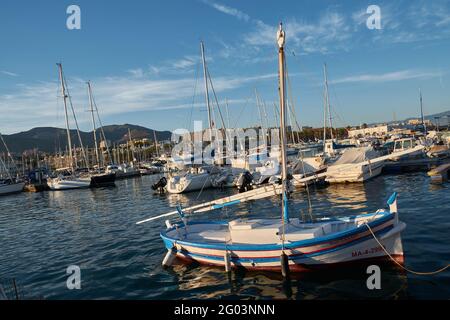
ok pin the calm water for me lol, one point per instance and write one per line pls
(41, 234)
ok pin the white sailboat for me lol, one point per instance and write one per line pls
(196, 178)
(10, 187)
(284, 244)
(67, 179)
(9, 184)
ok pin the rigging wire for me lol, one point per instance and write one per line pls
(83, 152)
(194, 95)
(101, 128)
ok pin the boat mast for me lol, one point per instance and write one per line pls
(64, 95)
(93, 123)
(130, 146)
(156, 143)
(327, 97)
(202, 48)
(281, 41)
(258, 105)
(421, 112)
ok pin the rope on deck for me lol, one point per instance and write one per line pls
(400, 265)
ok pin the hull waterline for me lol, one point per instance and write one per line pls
(6, 189)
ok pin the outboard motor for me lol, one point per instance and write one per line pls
(244, 182)
(160, 185)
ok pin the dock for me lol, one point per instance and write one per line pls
(411, 165)
(440, 174)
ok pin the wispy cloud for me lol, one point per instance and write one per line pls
(183, 65)
(390, 76)
(114, 95)
(228, 10)
(138, 73)
(327, 34)
(9, 73)
(330, 32)
(418, 21)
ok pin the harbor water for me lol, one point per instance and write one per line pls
(41, 234)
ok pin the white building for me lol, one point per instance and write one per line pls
(369, 131)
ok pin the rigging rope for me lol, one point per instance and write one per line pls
(400, 265)
(194, 96)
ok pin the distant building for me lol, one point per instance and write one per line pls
(104, 143)
(415, 122)
(369, 131)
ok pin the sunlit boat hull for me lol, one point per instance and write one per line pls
(354, 173)
(354, 245)
(189, 183)
(69, 183)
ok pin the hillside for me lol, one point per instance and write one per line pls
(49, 139)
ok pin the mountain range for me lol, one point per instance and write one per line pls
(49, 139)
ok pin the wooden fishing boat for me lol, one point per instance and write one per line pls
(285, 244)
(258, 243)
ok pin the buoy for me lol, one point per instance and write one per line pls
(168, 224)
(170, 256)
(227, 259)
(284, 265)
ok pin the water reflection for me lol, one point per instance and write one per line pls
(44, 233)
(343, 283)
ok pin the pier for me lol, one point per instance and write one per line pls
(440, 174)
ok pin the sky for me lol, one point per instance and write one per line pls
(143, 60)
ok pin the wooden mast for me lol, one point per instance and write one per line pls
(284, 259)
(64, 95)
(282, 90)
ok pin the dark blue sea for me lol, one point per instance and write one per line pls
(42, 234)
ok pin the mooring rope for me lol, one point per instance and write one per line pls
(400, 265)
(203, 186)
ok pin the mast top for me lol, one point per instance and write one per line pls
(281, 36)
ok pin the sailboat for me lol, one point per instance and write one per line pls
(9, 184)
(286, 244)
(197, 177)
(99, 177)
(67, 178)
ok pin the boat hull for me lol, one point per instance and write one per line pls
(359, 173)
(356, 246)
(6, 189)
(101, 180)
(189, 184)
(67, 184)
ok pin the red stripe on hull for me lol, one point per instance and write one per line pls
(399, 258)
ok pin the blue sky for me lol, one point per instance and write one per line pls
(143, 58)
